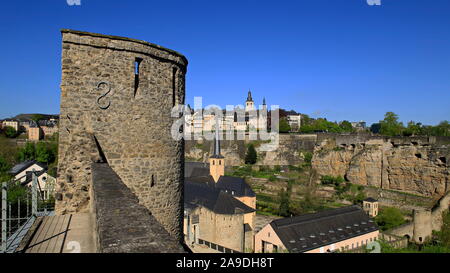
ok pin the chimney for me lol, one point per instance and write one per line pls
(217, 161)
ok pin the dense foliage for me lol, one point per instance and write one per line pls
(10, 132)
(391, 126)
(310, 125)
(284, 126)
(45, 152)
(251, 155)
(389, 218)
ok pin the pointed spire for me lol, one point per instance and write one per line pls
(264, 101)
(249, 96)
(217, 141)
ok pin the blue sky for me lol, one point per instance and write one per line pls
(339, 59)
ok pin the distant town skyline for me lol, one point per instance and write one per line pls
(341, 60)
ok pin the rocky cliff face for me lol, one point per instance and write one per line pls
(415, 165)
(290, 150)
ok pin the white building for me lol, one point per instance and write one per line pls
(22, 173)
(294, 121)
(11, 123)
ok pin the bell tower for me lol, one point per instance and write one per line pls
(249, 103)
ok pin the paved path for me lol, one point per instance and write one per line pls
(64, 234)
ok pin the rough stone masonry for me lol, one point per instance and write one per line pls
(116, 100)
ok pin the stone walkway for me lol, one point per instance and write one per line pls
(64, 234)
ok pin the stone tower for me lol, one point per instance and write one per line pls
(422, 225)
(116, 100)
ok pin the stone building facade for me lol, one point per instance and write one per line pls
(116, 100)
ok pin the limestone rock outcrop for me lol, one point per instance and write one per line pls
(409, 165)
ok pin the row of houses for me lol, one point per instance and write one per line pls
(220, 213)
(35, 130)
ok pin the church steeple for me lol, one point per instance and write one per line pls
(249, 104)
(216, 153)
(216, 161)
(264, 101)
(249, 96)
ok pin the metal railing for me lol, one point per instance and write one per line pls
(20, 205)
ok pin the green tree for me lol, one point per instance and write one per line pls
(251, 156)
(375, 128)
(28, 152)
(413, 129)
(443, 129)
(310, 201)
(284, 198)
(4, 168)
(44, 153)
(443, 236)
(389, 218)
(306, 120)
(284, 126)
(346, 126)
(390, 126)
(10, 132)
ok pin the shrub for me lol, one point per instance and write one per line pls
(308, 158)
(389, 218)
(331, 180)
(10, 132)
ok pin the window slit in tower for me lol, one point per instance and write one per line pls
(137, 63)
(152, 183)
(174, 90)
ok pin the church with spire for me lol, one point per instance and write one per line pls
(220, 210)
(252, 117)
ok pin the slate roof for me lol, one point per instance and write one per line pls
(311, 231)
(199, 172)
(206, 195)
(370, 199)
(192, 169)
(235, 186)
(24, 165)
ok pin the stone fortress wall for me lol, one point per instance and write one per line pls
(116, 100)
